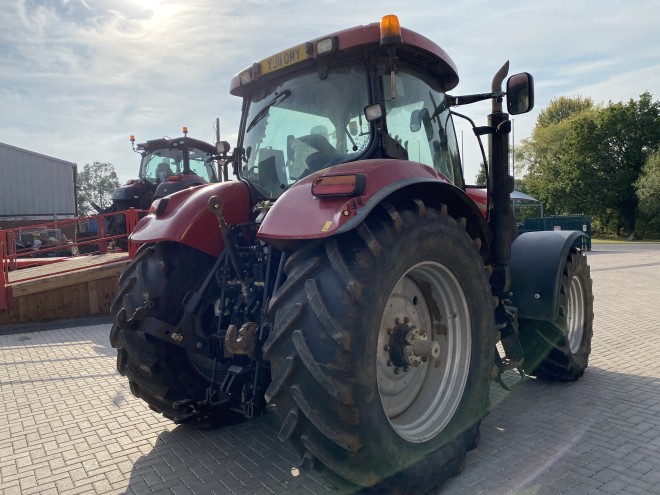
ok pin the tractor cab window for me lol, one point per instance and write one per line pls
(418, 118)
(200, 164)
(303, 125)
(158, 165)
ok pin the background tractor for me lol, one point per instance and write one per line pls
(166, 166)
(349, 276)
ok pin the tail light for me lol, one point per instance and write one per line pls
(339, 185)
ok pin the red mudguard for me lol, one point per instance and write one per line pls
(187, 219)
(480, 196)
(298, 214)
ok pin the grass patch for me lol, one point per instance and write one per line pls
(618, 240)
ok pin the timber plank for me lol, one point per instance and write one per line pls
(67, 279)
(55, 302)
(93, 295)
(39, 306)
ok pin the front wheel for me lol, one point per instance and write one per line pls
(382, 349)
(559, 350)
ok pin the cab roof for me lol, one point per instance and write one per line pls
(414, 48)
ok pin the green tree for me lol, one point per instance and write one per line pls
(648, 194)
(481, 179)
(586, 159)
(561, 108)
(629, 134)
(95, 183)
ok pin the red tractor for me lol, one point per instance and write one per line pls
(349, 276)
(166, 166)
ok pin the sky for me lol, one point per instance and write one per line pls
(78, 77)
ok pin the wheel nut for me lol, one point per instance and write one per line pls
(405, 369)
(389, 362)
(199, 345)
(386, 348)
(406, 320)
(390, 331)
(397, 371)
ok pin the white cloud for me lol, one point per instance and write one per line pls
(78, 76)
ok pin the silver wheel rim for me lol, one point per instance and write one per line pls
(575, 315)
(420, 402)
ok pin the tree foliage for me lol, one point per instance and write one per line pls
(562, 108)
(481, 179)
(96, 183)
(586, 159)
(648, 193)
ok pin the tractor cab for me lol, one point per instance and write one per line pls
(351, 96)
(171, 165)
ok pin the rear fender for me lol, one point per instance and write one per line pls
(186, 218)
(298, 215)
(537, 264)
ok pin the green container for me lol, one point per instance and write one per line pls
(581, 223)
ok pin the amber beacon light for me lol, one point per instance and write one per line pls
(390, 30)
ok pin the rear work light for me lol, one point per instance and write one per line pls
(327, 45)
(245, 77)
(339, 185)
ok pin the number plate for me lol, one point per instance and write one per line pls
(284, 59)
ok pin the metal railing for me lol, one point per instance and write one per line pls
(58, 243)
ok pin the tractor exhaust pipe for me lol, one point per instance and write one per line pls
(501, 185)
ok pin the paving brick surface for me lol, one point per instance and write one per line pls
(69, 424)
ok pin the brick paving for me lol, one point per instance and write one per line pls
(69, 424)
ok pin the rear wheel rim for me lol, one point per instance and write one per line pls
(420, 402)
(575, 315)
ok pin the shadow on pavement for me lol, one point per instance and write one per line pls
(537, 438)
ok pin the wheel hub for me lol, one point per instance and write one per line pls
(409, 346)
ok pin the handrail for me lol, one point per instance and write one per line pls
(71, 239)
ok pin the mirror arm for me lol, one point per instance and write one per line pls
(455, 101)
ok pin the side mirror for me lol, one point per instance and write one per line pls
(520, 93)
(417, 117)
(222, 147)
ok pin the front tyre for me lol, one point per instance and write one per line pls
(382, 349)
(559, 350)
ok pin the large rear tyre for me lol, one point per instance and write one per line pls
(382, 349)
(172, 381)
(559, 350)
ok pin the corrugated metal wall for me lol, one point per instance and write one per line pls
(35, 185)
